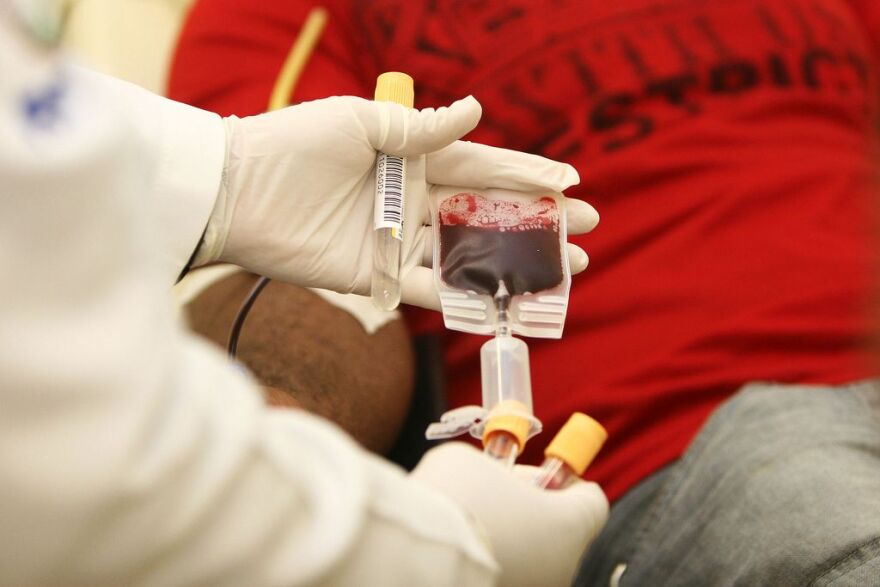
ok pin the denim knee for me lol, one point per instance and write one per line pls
(782, 480)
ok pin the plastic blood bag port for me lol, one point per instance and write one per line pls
(505, 420)
(504, 366)
(572, 450)
(507, 387)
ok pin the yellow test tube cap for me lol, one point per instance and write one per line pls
(510, 422)
(578, 442)
(397, 87)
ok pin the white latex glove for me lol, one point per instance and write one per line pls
(537, 536)
(297, 197)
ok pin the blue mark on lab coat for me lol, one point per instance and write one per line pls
(43, 108)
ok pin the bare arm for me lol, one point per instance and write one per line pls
(317, 356)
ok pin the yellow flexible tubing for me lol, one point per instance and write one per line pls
(296, 60)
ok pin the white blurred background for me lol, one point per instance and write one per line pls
(130, 39)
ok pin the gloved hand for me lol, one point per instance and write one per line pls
(537, 536)
(297, 197)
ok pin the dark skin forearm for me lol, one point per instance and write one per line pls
(311, 354)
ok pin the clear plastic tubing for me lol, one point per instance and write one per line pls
(502, 446)
(394, 87)
(553, 474)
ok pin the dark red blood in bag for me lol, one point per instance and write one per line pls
(486, 241)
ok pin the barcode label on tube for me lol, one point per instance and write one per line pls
(390, 178)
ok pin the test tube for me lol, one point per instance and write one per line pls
(571, 451)
(396, 87)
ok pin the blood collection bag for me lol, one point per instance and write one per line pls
(491, 239)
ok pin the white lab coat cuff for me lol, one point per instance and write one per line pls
(191, 162)
(188, 146)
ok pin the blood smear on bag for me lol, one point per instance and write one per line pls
(484, 241)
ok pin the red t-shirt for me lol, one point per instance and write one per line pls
(727, 144)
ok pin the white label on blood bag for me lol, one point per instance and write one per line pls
(390, 177)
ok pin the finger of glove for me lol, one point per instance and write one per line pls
(587, 506)
(527, 473)
(404, 131)
(417, 289)
(443, 466)
(581, 217)
(575, 514)
(577, 258)
(428, 249)
(473, 165)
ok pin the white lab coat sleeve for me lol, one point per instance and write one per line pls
(131, 453)
(188, 147)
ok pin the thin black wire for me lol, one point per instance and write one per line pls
(241, 316)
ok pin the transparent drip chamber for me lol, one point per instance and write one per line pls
(500, 269)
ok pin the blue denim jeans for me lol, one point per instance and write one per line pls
(780, 487)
